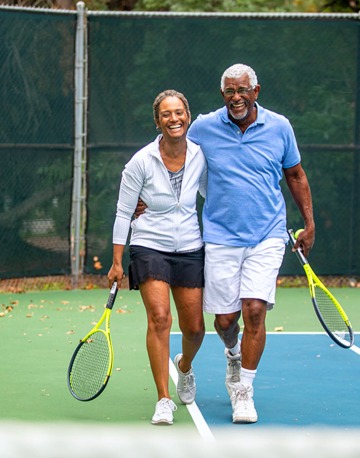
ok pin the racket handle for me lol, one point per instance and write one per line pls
(298, 252)
(112, 296)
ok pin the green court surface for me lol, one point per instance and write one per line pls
(40, 330)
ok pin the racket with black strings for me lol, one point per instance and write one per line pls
(91, 364)
(328, 309)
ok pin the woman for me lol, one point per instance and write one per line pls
(166, 248)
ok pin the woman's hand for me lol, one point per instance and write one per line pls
(116, 273)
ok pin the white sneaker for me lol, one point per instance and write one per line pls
(164, 412)
(243, 405)
(186, 386)
(233, 367)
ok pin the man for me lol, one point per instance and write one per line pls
(247, 148)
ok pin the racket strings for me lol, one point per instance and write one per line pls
(331, 315)
(89, 371)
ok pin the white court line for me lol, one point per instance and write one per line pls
(194, 410)
(278, 333)
(355, 349)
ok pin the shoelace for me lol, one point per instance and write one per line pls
(233, 364)
(165, 404)
(243, 395)
(188, 380)
(234, 369)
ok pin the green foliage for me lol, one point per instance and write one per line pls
(255, 6)
(213, 6)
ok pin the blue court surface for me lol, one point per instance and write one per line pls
(303, 380)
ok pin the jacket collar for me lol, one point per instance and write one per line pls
(191, 151)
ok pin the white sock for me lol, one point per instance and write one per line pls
(247, 376)
(235, 350)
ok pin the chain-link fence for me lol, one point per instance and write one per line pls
(309, 70)
(36, 142)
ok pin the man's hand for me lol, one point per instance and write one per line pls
(140, 208)
(305, 240)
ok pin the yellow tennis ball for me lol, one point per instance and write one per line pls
(296, 235)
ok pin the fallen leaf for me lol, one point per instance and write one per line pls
(82, 308)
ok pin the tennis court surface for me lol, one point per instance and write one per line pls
(307, 390)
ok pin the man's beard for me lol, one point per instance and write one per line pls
(239, 117)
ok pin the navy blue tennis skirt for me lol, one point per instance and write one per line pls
(176, 269)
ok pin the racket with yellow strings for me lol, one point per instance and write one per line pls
(328, 309)
(91, 364)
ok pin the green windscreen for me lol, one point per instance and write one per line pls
(309, 71)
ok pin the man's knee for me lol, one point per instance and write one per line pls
(227, 322)
(254, 312)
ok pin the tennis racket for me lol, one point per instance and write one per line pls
(328, 310)
(93, 359)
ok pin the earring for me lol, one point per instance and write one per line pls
(158, 128)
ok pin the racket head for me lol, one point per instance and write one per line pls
(91, 366)
(327, 308)
(332, 316)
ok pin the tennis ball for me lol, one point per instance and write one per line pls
(296, 235)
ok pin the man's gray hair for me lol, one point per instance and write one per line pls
(237, 71)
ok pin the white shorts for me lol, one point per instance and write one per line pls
(233, 273)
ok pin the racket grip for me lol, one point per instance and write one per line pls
(298, 252)
(113, 288)
(112, 296)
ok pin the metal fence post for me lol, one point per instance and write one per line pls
(78, 216)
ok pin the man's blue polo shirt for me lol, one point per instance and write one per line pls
(244, 204)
